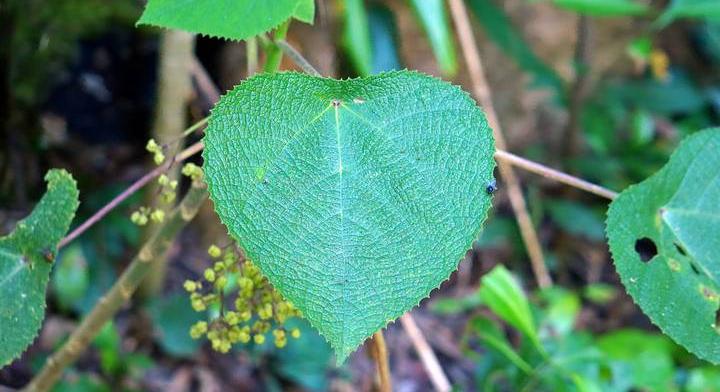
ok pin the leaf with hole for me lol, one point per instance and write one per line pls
(26, 257)
(355, 197)
(664, 235)
(229, 19)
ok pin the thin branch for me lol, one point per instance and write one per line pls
(482, 93)
(426, 353)
(297, 58)
(379, 352)
(96, 217)
(553, 174)
(106, 308)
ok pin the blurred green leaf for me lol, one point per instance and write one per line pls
(26, 257)
(576, 218)
(306, 360)
(70, 279)
(676, 95)
(642, 128)
(504, 296)
(447, 306)
(107, 343)
(663, 235)
(81, 383)
(356, 36)
(640, 48)
(703, 379)
(600, 293)
(649, 357)
(433, 17)
(560, 309)
(704, 9)
(491, 335)
(383, 38)
(501, 31)
(604, 7)
(172, 317)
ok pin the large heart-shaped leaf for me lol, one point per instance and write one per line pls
(355, 197)
(26, 256)
(664, 235)
(230, 19)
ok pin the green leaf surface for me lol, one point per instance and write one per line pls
(604, 7)
(26, 257)
(501, 31)
(229, 19)
(672, 220)
(503, 295)
(433, 17)
(305, 11)
(356, 36)
(355, 197)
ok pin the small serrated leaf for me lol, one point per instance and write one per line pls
(664, 235)
(372, 190)
(229, 19)
(26, 257)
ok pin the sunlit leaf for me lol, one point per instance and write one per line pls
(355, 197)
(229, 19)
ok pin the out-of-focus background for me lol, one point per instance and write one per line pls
(604, 97)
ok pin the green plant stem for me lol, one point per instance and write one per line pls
(251, 52)
(173, 93)
(121, 291)
(273, 52)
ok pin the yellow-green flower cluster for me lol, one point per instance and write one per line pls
(258, 308)
(193, 171)
(156, 150)
(167, 190)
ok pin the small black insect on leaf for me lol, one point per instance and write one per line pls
(48, 255)
(491, 187)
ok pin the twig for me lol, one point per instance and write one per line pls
(553, 174)
(297, 58)
(96, 217)
(379, 353)
(426, 353)
(482, 93)
(121, 291)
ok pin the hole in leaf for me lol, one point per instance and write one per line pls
(646, 249)
(717, 319)
(680, 249)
